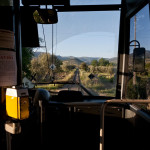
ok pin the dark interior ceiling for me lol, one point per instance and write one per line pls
(46, 2)
(67, 2)
(132, 5)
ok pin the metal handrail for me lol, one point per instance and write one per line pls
(102, 114)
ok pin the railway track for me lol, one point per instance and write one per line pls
(76, 78)
(76, 84)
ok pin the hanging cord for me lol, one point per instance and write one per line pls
(54, 59)
(46, 50)
(53, 77)
(56, 45)
(52, 44)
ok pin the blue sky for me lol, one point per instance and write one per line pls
(91, 34)
(88, 44)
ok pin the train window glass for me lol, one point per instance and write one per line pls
(138, 86)
(85, 47)
(94, 2)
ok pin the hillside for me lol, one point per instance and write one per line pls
(78, 60)
(63, 58)
(83, 59)
(88, 59)
(74, 61)
(67, 58)
(113, 60)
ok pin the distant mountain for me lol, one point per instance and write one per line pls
(74, 61)
(78, 60)
(147, 57)
(83, 59)
(63, 58)
(88, 59)
(113, 60)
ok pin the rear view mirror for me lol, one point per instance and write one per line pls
(139, 60)
(45, 16)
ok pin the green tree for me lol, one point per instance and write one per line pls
(103, 62)
(57, 63)
(41, 66)
(94, 63)
(27, 54)
(70, 67)
(67, 67)
(147, 65)
(84, 66)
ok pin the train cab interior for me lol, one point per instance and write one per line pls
(75, 74)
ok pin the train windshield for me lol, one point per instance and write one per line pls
(79, 53)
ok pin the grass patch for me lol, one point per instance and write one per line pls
(49, 86)
(54, 87)
(102, 84)
(108, 92)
